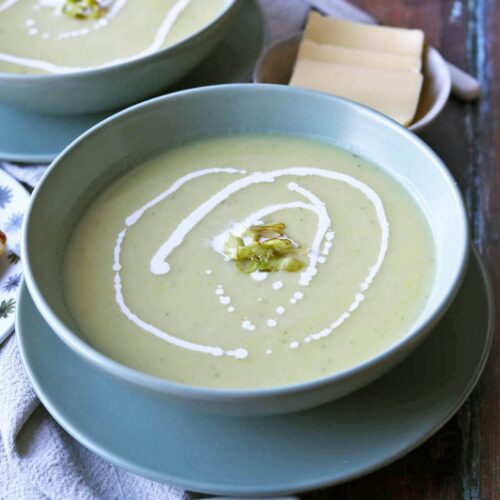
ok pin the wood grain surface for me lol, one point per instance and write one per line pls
(462, 461)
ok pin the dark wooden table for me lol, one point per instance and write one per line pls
(463, 459)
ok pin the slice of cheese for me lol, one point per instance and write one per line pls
(328, 30)
(394, 93)
(358, 57)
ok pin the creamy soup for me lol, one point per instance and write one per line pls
(40, 36)
(150, 282)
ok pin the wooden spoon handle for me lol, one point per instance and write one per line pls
(463, 85)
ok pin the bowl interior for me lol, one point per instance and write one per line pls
(125, 140)
(276, 66)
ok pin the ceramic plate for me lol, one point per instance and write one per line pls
(14, 200)
(268, 455)
(31, 138)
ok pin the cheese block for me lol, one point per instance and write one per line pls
(327, 30)
(358, 57)
(394, 93)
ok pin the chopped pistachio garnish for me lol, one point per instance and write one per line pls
(269, 251)
(279, 245)
(85, 9)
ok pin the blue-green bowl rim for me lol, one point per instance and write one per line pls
(150, 58)
(224, 394)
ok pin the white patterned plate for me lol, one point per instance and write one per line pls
(14, 200)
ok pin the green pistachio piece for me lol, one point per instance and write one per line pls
(233, 245)
(265, 231)
(263, 253)
(246, 252)
(84, 9)
(247, 265)
(279, 245)
(255, 251)
(270, 265)
(290, 264)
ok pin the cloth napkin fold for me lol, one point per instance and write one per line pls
(38, 459)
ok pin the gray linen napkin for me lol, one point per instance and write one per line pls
(38, 459)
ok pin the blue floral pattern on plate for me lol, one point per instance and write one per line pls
(5, 196)
(14, 201)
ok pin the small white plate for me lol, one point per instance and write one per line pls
(14, 201)
(276, 65)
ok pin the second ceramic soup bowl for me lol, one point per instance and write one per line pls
(114, 86)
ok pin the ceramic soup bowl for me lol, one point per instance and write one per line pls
(121, 142)
(116, 85)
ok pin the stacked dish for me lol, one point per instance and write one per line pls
(228, 252)
(37, 110)
(117, 68)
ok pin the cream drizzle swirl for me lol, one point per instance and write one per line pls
(159, 39)
(315, 205)
(160, 266)
(7, 4)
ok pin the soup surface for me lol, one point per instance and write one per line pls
(37, 37)
(149, 284)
